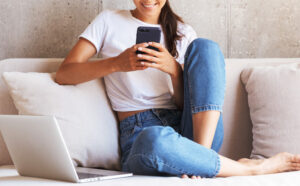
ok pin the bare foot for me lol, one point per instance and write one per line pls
(281, 162)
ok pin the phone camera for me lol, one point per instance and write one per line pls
(144, 30)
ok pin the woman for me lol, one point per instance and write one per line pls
(170, 118)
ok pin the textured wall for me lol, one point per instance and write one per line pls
(264, 28)
(243, 28)
(39, 28)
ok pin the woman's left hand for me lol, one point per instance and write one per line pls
(161, 60)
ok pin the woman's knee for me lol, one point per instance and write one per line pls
(204, 57)
(203, 50)
(201, 43)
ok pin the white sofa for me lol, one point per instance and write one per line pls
(237, 124)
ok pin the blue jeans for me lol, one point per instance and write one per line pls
(160, 141)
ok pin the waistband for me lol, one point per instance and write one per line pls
(149, 114)
(140, 116)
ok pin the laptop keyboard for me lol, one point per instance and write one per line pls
(82, 175)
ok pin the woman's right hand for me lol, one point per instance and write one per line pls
(128, 60)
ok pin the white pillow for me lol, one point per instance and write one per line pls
(274, 100)
(83, 111)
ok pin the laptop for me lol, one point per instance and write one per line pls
(37, 149)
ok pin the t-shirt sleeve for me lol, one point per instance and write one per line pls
(192, 35)
(189, 36)
(96, 31)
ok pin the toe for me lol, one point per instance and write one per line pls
(297, 158)
(184, 176)
(294, 159)
(295, 167)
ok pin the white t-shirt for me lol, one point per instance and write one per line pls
(112, 32)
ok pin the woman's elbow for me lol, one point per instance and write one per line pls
(59, 78)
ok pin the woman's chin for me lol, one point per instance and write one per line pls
(150, 13)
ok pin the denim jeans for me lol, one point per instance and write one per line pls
(160, 141)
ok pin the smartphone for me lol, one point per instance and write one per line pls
(148, 34)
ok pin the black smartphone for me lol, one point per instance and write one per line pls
(148, 34)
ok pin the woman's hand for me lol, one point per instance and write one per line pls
(161, 60)
(192, 177)
(128, 60)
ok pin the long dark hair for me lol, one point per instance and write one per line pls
(169, 23)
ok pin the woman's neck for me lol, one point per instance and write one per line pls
(147, 19)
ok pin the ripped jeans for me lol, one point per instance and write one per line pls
(160, 141)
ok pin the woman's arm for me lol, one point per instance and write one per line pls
(76, 69)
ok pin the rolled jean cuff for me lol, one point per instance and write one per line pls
(218, 166)
(196, 109)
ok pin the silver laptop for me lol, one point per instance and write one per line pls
(37, 148)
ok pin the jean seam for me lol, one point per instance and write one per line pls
(189, 90)
(156, 160)
(207, 107)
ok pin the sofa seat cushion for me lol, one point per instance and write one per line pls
(10, 177)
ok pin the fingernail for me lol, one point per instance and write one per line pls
(140, 48)
(146, 45)
(142, 63)
(139, 55)
(150, 43)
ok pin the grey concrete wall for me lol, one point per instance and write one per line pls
(43, 28)
(253, 28)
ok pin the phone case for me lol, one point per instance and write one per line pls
(148, 34)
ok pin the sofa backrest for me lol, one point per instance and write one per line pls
(237, 122)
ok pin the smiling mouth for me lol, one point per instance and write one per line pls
(149, 5)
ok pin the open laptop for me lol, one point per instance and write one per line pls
(37, 148)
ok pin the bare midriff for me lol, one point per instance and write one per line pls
(123, 115)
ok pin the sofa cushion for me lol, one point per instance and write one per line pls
(6, 103)
(274, 99)
(87, 122)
